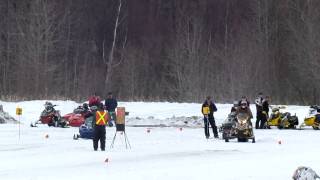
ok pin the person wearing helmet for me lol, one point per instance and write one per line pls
(208, 107)
(244, 98)
(85, 106)
(48, 107)
(244, 108)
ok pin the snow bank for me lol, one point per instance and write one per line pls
(5, 117)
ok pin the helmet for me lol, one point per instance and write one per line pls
(47, 103)
(94, 108)
(85, 105)
(243, 104)
(304, 173)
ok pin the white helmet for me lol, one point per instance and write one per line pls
(304, 173)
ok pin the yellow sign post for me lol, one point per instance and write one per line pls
(19, 113)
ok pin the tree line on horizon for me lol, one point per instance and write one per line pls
(160, 50)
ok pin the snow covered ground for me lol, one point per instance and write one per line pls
(163, 153)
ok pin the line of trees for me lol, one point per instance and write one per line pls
(160, 50)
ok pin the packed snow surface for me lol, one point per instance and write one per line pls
(157, 153)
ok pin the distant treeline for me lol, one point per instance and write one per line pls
(160, 50)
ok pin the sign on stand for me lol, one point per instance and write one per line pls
(120, 126)
(19, 113)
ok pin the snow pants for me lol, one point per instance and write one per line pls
(212, 122)
(99, 134)
(260, 120)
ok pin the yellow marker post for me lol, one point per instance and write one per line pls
(19, 113)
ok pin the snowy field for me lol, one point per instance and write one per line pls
(163, 153)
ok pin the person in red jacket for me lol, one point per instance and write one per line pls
(94, 100)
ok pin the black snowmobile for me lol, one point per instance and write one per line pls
(288, 121)
(241, 129)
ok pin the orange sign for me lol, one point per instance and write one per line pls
(121, 112)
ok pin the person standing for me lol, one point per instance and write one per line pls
(259, 116)
(94, 100)
(99, 126)
(265, 112)
(208, 108)
(111, 104)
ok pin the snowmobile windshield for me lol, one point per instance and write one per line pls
(242, 117)
(88, 122)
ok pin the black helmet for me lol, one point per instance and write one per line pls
(243, 104)
(85, 105)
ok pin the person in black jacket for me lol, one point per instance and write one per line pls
(317, 120)
(111, 104)
(99, 127)
(260, 115)
(208, 107)
(265, 112)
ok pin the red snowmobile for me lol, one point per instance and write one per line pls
(51, 117)
(77, 117)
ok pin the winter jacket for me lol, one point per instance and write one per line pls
(111, 104)
(94, 101)
(259, 102)
(212, 108)
(265, 106)
(317, 118)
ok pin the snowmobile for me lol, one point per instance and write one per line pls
(242, 130)
(51, 117)
(275, 118)
(85, 130)
(77, 117)
(288, 121)
(310, 120)
(281, 120)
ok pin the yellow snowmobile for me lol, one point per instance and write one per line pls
(311, 119)
(275, 117)
(282, 120)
